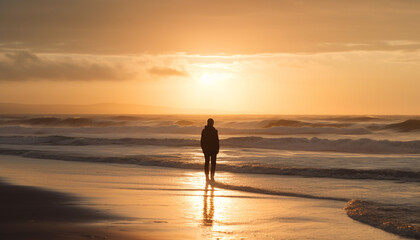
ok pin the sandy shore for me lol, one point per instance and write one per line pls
(37, 213)
(134, 202)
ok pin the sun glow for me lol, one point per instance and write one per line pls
(211, 79)
(214, 80)
(208, 79)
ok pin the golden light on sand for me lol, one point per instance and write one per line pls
(210, 207)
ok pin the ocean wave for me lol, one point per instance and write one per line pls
(176, 161)
(410, 125)
(354, 119)
(272, 192)
(182, 128)
(363, 145)
(401, 220)
(125, 118)
(143, 124)
(185, 123)
(187, 129)
(82, 141)
(406, 126)
(61, 122)
(300, 130)
(193, 125)
(297, 124)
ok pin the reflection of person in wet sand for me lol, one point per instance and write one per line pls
(210, 147)
(208, 211)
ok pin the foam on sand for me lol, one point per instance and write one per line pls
(272, 192)
(401, 220)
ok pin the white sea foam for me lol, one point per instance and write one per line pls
(363, 145)
(403, 220)
(175, 161)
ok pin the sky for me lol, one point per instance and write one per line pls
(262, 57)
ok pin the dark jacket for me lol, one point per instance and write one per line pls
(210, 140)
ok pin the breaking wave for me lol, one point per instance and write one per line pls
(287, 125)
(62, 122)
(82, 141)
(180, 128)
(296, 123)
(401, 220)
(410, 125)
(406, 126)
(175, 161)
(363, 145)
(272, 192)
(354, 119)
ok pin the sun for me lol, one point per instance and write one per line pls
(213, 79)
(216, 88)
(208, 79)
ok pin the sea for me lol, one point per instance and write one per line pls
(370, 163)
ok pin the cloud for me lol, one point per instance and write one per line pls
(22, 57)
(24, 65)
(167, 72)
(397, 45)
(208, 27)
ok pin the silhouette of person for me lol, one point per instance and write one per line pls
(210, 147)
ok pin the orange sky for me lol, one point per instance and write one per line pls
(276, 57)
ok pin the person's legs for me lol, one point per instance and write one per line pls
(206, 165)
(213, 165)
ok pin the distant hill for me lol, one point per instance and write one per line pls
(100, 108)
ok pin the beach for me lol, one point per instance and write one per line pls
(229, 120)
(278, 177)
(122, 201)
(37, 213)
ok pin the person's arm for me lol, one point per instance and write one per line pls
(217, 137)
(202, 140)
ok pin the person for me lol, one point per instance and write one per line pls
(210, 147)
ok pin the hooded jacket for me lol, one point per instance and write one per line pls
(210, 140)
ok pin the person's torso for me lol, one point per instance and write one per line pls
(210, 138)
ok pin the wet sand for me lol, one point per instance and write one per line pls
(117, 201)
(37, 213)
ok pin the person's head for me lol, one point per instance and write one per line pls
(210, 122)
